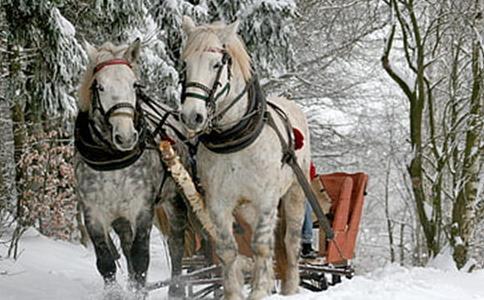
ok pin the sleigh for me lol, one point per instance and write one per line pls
(202, 271)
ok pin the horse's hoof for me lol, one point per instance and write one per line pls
(257, 295)
(113, 291)
(290, 287)
(140, 295)
(136, 291)
(233, 297)
(176, 292)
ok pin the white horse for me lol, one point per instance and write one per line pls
(239, 159)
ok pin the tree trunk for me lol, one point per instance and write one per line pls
(402, 244)
(417, 93)
(464, 219)
(387, 213)
(7, 162)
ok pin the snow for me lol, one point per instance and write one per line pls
(64, 25)
(49, 269)
(443, 261)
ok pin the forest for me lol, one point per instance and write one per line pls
(392, 88)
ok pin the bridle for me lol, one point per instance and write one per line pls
(210, 97)
(234, 135)
(114, 110)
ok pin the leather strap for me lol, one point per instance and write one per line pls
(289, 157)
(246, 131)
(116, 61)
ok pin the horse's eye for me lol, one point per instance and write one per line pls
(217, 65)
(138, 85)
(100, 88)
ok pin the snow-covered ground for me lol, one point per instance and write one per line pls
(54, 270)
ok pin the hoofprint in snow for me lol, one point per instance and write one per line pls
(56, 270)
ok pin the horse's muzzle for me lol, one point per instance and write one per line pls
(193, 121)
(125, 142)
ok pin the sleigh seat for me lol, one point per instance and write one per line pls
(347, 193)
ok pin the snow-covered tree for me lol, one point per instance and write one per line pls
(266, 27)
(7, 165)
(44, 60)
(45, 78)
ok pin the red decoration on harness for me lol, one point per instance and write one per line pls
(116, 61)
(312, 171)
(298, 139)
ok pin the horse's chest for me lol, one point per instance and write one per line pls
(122, 192)
(242, 175)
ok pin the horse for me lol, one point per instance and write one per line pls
(120, 176)
(243, 142)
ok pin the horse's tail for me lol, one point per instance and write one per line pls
(191, 241)
(162, 221)
(280, 253)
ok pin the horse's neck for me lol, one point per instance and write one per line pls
(237, 111)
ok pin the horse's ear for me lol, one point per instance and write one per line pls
(90, 50)
(227, 33)
(187, 24)
(133, 51)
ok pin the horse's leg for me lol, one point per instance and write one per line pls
(105, 260)
(293, 205)
(263, 249)
(227, 251)
(140, 250)
(122, 227)
(177, 215)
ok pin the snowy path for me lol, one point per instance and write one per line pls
(57, 270)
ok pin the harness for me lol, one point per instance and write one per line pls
(97, 105)
(94, 149)
(246, 131)
(249, 127)
(98, 153)
(210, 98)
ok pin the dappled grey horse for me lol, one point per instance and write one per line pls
(119, 173)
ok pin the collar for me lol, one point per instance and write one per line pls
(98, 153)
(246, 131)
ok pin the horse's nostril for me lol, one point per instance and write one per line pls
(198, 118)
(118, 139)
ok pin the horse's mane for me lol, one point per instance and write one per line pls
(106, 52)
(203, 37)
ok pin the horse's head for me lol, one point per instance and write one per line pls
(109, 92)
(214, 55)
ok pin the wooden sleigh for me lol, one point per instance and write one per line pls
(202, 275)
